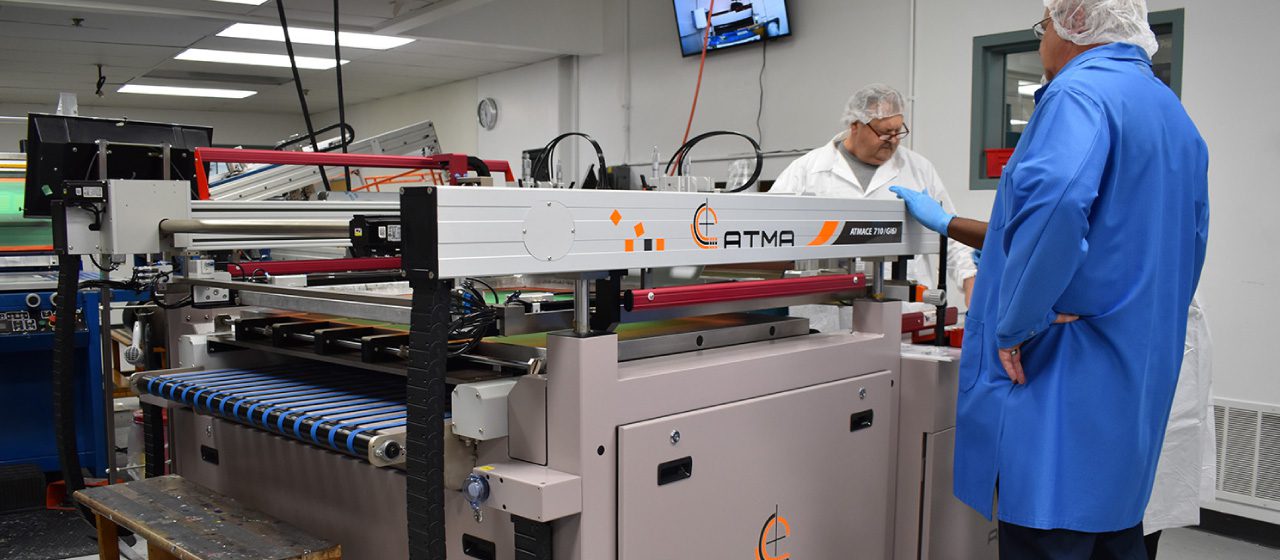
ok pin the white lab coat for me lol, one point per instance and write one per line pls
(824, 172)
(1187, 471)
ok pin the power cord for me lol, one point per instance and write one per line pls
(297, 82)
(764, 59)
(678, 157)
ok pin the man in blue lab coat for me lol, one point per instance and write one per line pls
(1075, 335)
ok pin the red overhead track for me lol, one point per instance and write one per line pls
(455, 164)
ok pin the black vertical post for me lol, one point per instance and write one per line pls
(426, 392)
(940, 329)
(533, 539)
(608, 302)
(153, 440)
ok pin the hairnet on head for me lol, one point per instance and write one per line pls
(875, 101)
(1094, 22)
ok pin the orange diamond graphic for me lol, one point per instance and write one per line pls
(640, 229)
(615, 217)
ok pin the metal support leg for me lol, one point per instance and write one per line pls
(108, 382)
(877, 281)
(582, 306)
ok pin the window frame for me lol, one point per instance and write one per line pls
(988, 111)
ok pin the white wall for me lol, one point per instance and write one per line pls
(228, 128)
(534, 105)
(838, 46)
(451, 107)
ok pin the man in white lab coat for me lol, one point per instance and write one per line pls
(866, 161)
(1187, 471)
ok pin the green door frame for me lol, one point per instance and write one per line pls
(989, 52)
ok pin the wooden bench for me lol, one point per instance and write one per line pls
(181, 520)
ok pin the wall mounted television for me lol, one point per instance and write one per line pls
(733, 23)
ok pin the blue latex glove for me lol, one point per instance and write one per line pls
(977, 257)
(925, 209)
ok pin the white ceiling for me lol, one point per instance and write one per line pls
(44, 52)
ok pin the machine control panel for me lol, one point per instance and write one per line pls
(25, 322)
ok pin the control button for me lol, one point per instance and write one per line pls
(33, 301)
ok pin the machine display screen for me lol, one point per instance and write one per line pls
(732, 23)
(17, 233)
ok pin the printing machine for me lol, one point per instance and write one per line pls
(504, 389)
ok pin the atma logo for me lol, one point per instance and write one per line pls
(776, 529)
(705, 219)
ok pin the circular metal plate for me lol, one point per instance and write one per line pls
(549, 231)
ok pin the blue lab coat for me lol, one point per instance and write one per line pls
(1103, 213)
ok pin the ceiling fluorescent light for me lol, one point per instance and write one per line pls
(1018, 122)
(312, 36)
(1028, 90)
(250, 2)
(186, 91)
(255, 59)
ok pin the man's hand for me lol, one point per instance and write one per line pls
(1011, 358)
(925, 209)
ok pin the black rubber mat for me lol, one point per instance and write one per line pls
(45, 535)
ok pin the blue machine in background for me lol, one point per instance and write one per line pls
(26, 376)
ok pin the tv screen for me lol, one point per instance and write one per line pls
(732, 23)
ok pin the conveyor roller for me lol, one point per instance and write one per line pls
(341, 409)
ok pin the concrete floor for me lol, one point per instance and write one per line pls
(1190, 544)
(1176, 544)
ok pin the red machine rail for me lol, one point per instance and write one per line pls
(679, 296)
(455, 164)
(251, 269)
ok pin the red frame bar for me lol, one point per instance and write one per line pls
(914, 321)
(454, 164)
(279, 268)
(679, 296)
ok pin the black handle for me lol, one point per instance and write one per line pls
(675, 471)
(861, 420)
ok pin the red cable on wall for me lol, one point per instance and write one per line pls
(706, 39)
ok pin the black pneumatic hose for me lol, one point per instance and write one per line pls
(64, 367)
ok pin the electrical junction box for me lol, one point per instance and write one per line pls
(480, 409)
(125, 218)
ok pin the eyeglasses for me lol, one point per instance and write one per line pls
(887, 136)
(1039, 28)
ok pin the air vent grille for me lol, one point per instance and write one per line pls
(1248, 444)
(1268, 483)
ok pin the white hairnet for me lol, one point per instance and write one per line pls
(875, 101)
(1094, 22)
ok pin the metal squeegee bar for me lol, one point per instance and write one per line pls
(277, 268)
(333, 407)
(701, 294)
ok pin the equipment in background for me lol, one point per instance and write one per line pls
(64, 148)
(267, 181)
(26, 348)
